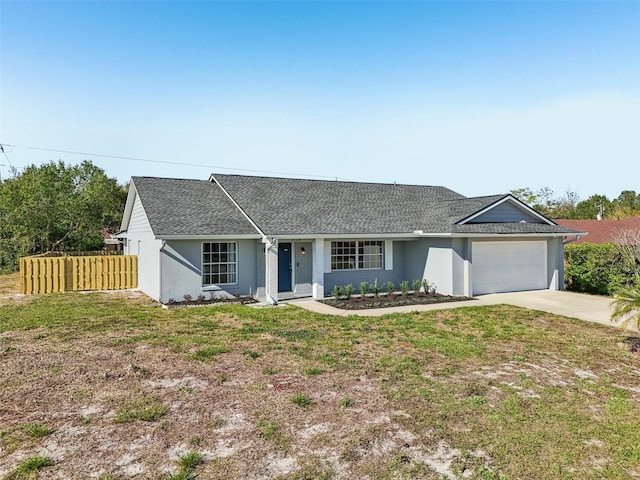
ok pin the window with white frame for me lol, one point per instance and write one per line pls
(219, 263)
(357, 254)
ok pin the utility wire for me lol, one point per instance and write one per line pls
(165, 162)
(5, 154)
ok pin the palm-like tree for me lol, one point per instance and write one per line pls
(626, 307)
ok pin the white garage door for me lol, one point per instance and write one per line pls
(508, 266)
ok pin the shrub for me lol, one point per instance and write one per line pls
(348, 291)
(390, 288)
(404, 287)
(187, 297)
(425, 285)
(593, 268)
(416, 286)
(364, 287)
(375, 288)
(336, 292)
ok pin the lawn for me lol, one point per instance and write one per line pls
(112, 386)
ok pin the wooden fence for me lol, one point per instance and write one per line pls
(45, 274)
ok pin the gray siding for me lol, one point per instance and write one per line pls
(506, 212)
(181, 265)
(141, 242)
(303, 268)
(439, 265)
(354, 277)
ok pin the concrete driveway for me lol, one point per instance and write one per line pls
(590, 308)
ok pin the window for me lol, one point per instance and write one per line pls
(219, 263)
(356, 255)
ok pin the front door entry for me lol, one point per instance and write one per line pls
(284, 267)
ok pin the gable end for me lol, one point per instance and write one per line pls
(506, 210)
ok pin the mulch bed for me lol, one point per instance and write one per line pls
(393, 300)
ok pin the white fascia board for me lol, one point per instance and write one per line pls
(502, 235)
(512, 199)
(247, 236)
(434, 234)
(334, 236)
(128, 206)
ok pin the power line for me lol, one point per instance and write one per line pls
(164, 162)
(5, 154)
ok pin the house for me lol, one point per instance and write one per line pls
(111, 241)
(601, 231)
(280, 237)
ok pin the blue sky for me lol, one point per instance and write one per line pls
(482, 97)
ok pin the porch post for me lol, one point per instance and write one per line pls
(271, 270)
(318, 268)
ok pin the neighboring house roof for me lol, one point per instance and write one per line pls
(246, 205)
(600, 231)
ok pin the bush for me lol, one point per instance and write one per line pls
(348, 291)
(364, 287)
(337, 292)
(390, 288)
(595, 269)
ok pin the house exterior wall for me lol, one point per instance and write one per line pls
(505, 212)
(555, 265)
(181, 270)
(439, 266)
(140, 241)
(303, 268)
(382, 276)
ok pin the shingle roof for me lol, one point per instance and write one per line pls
(189, 207)
(284, 206)
(295, 207)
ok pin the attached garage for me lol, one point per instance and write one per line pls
(508, 266)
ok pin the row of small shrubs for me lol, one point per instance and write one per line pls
(375, 288)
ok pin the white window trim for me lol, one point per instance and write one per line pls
(202, 264)
(357, 255)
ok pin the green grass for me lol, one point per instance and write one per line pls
(143, 408)
(302, 400)
(190, 460)
(29, 468)
(498, 379)
(36, 430)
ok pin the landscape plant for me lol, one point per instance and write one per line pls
(364, 288)
(375, 288)
(416, 286)
(336, 292)
(404, 288)
(595, 268)
(626, 307)
(391, 288)
(348, 291)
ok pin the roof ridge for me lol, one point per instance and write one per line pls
(215, 175)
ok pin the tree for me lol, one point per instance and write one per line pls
(541, 200)
(590, 208)
(56, 207)
(627, 205)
